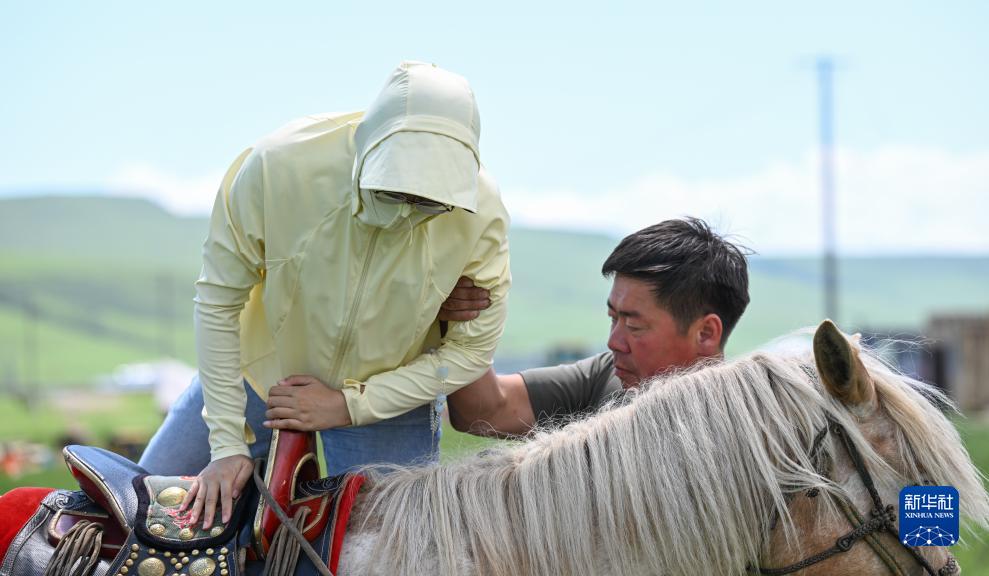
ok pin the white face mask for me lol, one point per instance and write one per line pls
(388, 216)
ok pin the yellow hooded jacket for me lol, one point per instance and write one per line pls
(294, 282)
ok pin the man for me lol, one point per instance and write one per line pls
(332, 245)
(679, 289)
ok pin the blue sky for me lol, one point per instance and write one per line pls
(594, 117)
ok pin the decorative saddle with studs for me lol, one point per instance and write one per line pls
(143, 531)
(125, 522)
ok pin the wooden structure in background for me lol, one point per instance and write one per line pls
(959, 360)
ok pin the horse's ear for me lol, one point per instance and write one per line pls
(842, 372)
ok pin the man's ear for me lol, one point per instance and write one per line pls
(707, 335)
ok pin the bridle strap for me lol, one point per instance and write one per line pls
(882, 517)
(838, 430)
(843, 544)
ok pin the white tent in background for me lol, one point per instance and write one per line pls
(172, 378)
(166, 379)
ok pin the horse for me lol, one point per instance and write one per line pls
(770, 464)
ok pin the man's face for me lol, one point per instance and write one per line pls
(644, 337)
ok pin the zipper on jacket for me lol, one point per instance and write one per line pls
(348, 329)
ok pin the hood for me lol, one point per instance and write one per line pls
(420, 136)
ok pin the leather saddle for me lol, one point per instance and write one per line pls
(142, 527)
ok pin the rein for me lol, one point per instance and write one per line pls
(882, 518)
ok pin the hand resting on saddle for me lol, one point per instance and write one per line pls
(298, 402)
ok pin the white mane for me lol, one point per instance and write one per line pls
(684, 478)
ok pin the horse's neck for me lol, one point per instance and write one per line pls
(358, 553)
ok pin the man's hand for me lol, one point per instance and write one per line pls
(221, 481)
(305, 403)
(465, 302)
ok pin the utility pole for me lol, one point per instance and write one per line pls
(825, 70)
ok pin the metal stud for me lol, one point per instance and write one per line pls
(209, 551)
(223, 564)
(128, 562)
(195, 552)
(151, 551)
(221, 557)
(124, 569)
(224, 572)
(186, 534)
(172, 496)
(133, 555)
(135, 547)
(156, 529)
(223, 550)
(216, 531)
(202, 567)
(167, 554)
(151, 567)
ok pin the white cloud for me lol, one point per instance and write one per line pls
(891, 200)
(184, 196)
(895, 199)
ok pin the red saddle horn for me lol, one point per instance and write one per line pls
(291, 460)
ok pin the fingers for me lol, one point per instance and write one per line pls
(226, 502)
(197, 506)
(299, 380)
(243, 475)
(212, 490)
(465, 290)
(190, 496)
(457, 316)
(283, 412)
(282, 401)
(288, 424)
(452, 303)
(469, 294)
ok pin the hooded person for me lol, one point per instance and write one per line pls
(332, 244)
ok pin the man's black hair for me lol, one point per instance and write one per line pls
(691, 270)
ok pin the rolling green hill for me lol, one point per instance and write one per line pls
(87, 283)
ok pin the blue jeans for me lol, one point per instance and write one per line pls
(181, 445)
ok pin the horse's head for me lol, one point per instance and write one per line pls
(898, 438)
